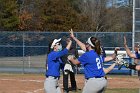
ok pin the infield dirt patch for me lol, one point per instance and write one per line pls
(34, 83)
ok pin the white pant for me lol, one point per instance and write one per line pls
(95, 85)
(51, 85)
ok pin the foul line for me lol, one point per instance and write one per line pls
(23, 80)
(35, 91)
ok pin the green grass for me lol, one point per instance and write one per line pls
(123, 76)
(122, 90)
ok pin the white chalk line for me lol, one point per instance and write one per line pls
(22, 80)
(34, 91)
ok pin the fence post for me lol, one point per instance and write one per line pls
(23, 53)
(133, 33)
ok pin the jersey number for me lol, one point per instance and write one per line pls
(98, 63)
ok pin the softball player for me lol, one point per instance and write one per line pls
(107, 58)
(111, 67)
(67, 72)
(135, 55)
(51, 84)
(92, 62)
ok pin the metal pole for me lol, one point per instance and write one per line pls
(78, 55)
(133, 33)
(20, 12)
(23, 53)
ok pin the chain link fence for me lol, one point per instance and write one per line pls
(26, 52)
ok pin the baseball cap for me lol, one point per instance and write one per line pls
(55, 41)
(89, 42)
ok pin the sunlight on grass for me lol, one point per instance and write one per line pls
(117, 91)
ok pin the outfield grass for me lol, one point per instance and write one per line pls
(122, 90)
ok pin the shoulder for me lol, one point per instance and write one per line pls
(91, 52)
(53, 53)
(86, 54)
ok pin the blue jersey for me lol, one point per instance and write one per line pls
(137, 55)
(54, 62)
(93, 64)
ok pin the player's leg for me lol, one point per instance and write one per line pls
(131, 66)
(58, 89)
(73, 81)
(139, 74)
(95, 85)
(128, 65)
(50, 85)
(65, 82)
(138, 67)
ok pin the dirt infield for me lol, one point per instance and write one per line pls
(32, 83)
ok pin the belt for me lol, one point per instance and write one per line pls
(96, 77)
(54, 77)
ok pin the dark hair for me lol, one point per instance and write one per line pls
(103, 51)
(97, 44)
(49, 47)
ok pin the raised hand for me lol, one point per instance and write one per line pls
(71, 33)
(117, 48)
(70, 57)
(125, 42)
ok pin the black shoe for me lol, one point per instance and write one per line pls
(65, 91)
(124, 64)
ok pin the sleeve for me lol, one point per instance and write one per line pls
(103, 58)
(62, 66)
(60, 54)
(83, 59)
(103, 52)
(64, 59)
(137, 55)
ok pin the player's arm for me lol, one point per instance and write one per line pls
(82, 45)
(136, 61)
(113, 56)
(73, 60)
(129, 53)
(107, 70)
(65, 51)
(69, 44)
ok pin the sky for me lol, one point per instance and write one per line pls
(117, 3)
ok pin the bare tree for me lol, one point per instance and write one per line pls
(105, 17)
(96, 11)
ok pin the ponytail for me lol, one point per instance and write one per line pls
(49, 48)
(97, 45)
